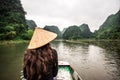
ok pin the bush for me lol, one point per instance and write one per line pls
(27, 35)
(11, 35)
(2, 36)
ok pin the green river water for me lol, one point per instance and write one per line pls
(92, 61)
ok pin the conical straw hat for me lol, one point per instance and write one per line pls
(40, 38)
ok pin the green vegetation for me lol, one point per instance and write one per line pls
(110, 29)
(77, 32)
(54, 29)
(31, 24)
(5, 42)
(14, 26)
(72, 32)
(12, 21)
(85, 31)
(27, 35)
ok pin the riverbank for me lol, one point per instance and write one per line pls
(91, 40)
(7, 42)
(71, 41)
(111, 45)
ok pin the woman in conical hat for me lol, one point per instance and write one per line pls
(40, 60)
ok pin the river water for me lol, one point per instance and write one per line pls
(93, 61)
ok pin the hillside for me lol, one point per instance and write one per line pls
(31, 24)
(54, 29)
(77, 32)
(12, 19)
(72, 32)
(110, 29)
(85, 31)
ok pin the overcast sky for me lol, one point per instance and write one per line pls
(64, 13)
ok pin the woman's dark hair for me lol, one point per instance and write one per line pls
(36, 62)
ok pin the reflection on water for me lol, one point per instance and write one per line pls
(93, 62)
(11, 58)
(98, 61)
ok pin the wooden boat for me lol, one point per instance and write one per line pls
(65, 72)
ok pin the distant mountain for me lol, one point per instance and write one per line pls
(54, 29)
(72, 32)
(31, 24)
(85, 31)
(63, 30)
(77, 32)
(110, 29)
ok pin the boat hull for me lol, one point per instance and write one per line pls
(65, 72)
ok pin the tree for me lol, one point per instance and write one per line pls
(85, 31)
(12, 19)
(72, 32)
(110, 29)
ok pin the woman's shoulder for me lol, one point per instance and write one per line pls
(54, 52)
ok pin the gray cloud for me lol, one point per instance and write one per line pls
(64, 13)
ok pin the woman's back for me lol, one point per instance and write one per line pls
(41, 64)
(40, 60)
